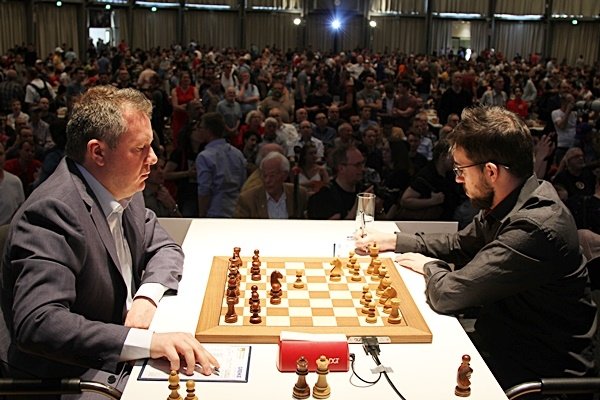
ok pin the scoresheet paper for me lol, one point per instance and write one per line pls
(234, 365)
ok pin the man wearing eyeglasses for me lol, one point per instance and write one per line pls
(338, 199)
(519, 260)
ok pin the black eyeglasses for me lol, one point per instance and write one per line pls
(458, 169)
(358, 164)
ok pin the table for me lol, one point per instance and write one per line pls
(420, 371)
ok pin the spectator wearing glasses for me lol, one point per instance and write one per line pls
(519, 260)
(338, 199)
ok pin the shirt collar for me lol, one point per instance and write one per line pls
(283, 198)
(106, 200)
(505, 206)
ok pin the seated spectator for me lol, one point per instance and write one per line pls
(586, 209)
(373, 155)
(180, 169)
(417, 160)
(16, 113)
(253, 123)
(274, 199)
(365, 120)
(344, 135)
(41, 130)
(254, 180)
(53, 156)
(433, 194)
(453, 120)
(573, 175)
(312, 176)
(323, 131)
(271, 135)
(369, 96)
(25, 166)
(12, 191)
(338, 199)
(250, 149)
(518, 105)
(285, 130)
(306, 136)
(333, 117)
(156, 195)
(24, 134)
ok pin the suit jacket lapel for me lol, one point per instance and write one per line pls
(87, 195)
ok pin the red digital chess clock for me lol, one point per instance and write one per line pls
(293, 346)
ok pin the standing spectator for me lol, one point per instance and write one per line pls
(41, 130)
(181, 95)
(565, 121)
(231, 112)
(369, 96)
(247, 94)
(495, 96)
(221, 170)
(76, 87)
(455, 99)
(318, 101)
(11, 189)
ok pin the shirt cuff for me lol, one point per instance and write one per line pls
(137, 345)
(152, 290)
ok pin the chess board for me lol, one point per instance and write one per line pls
(321, 306)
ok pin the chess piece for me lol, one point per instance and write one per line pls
(389, 294)
(256, 257)
(463, 378)
(376, 266)
(174, 386)
(383, 284)
(255, 309)
(298, 284)
(356, 273)
(321, 390)
(371, 316)
(364, 292)
(255, 271)
(301, 388)
(190, 388)
(368, 299)
(335, 275)
(276, 287)
(395, 316)
(232, 288)
(231, 316)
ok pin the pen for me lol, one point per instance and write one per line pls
(215, 370)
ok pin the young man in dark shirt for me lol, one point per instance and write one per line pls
(519, 260)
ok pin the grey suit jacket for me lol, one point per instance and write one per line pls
(253, 203)
(62, 293)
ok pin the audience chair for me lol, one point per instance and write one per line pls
(38, 387)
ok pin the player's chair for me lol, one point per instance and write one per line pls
(555, 386)
(38, 387)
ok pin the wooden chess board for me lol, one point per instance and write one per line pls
(321, 306)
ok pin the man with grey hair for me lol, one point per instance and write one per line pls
(275, 199)
(86, 263)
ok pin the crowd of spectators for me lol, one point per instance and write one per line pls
(347, 122)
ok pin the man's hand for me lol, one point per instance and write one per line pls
(414, 261)
(141, 313)
(385, 241)
(178, 345)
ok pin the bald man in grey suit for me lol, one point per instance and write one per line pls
(86, 263)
